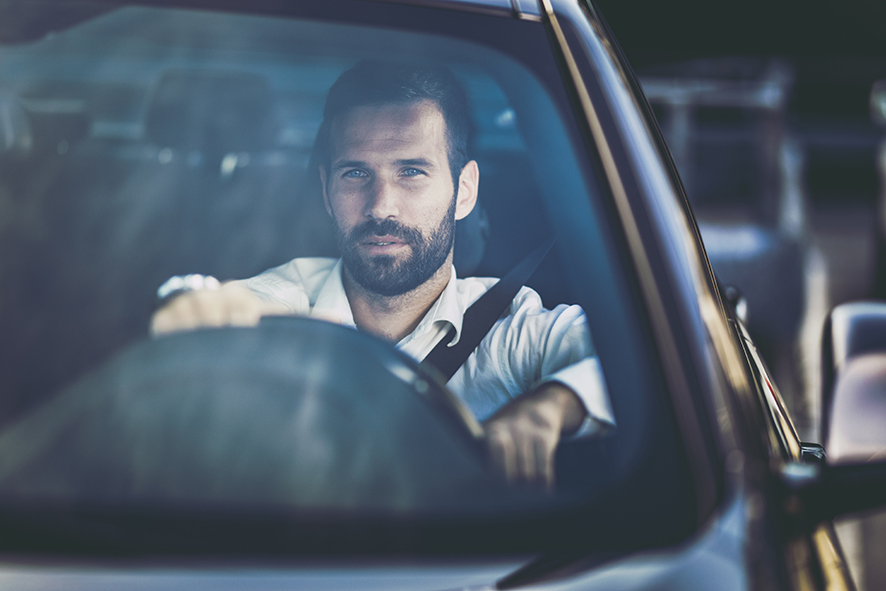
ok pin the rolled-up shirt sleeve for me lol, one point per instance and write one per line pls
(530, 346)
(585, 379)
(560, 343)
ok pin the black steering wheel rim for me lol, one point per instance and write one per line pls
(295, 411)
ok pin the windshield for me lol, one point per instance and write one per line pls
(337, 229)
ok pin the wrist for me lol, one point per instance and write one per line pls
(561, 405)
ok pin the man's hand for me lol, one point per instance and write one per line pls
(231, 305)
(523, 435)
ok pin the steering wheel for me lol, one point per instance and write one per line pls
(294, 412)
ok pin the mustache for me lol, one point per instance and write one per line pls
(393, 228)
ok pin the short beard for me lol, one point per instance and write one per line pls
(384, 275)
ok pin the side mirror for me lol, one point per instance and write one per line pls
(858, 412)
(853, 418)
(851, 330)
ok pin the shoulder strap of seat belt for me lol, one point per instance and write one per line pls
(482, 315)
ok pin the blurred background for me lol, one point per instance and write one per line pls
(775, 114)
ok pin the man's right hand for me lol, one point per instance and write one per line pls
(523, 435)
(230, 305)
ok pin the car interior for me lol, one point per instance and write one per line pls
(215, 182)
(194, 169)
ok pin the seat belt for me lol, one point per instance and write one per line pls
(482, 315)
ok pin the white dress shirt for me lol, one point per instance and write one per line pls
(528, 346)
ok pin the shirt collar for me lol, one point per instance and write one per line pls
(332, 301)
(447, 311)
(332, 304)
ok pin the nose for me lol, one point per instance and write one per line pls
(382, 200)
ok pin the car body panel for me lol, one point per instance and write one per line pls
(714, 554)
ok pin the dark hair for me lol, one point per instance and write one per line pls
(380, 83)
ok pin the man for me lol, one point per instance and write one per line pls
(391, 156)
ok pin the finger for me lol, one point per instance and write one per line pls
(161, 323)
(502, 454)
(526, 460)
(544, 457)
(207, 308)
(175, 316)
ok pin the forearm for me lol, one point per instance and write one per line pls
(585, 380)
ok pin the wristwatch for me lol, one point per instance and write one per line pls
(179, 284)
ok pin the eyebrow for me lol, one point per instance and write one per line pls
(415, 162)
(348, 164)
(422, 162)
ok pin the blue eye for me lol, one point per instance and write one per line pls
(412, 172)
(354, 174)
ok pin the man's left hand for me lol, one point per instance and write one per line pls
(523, 435)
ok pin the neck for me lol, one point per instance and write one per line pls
(394, 317)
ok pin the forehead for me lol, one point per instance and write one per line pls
(390, 129)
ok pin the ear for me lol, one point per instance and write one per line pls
(468, 186)
(323, 188)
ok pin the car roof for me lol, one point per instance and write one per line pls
(505, 7)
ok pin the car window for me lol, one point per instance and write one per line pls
(149, 142)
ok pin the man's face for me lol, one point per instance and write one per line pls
(391, 193)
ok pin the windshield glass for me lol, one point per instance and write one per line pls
(297, 179)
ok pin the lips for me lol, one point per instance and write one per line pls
(382, 245)
(382, 241)
(387, 237)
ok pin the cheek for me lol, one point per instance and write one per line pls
(344, 203)
(429, 205)
(433, 219)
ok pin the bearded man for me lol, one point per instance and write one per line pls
(391, 156)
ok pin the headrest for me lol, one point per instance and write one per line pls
(471, 235)
(51, 128)
(16, 139)
(211, 111)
